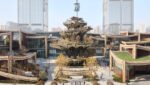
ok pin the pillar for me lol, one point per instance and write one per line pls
(139, 37)
(110, 61)
(134, 51)
(9, 64)
(105, 44)
(20, 39)
(124, 71)
(11, 41)
(46, 47)
(34, 58)
(127, 72)
(120, 47)
(105, 40)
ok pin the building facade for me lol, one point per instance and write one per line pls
(148, 29)
(133, 57)
(33, 14)
(118, 16)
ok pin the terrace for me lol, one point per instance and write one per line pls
(19, 65)
(15, 63)
(136, 42)
(128, 57)
(126, 66)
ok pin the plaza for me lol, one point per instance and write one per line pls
(32, 55)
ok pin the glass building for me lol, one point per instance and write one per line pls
(37, 45)
(118, 16)
(53, 52)
(33, 14)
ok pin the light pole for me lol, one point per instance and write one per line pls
(77, 7)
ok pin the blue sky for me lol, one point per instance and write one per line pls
(60, 10)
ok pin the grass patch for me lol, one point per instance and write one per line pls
(128, 57)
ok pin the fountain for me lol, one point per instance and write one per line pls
(77, 59)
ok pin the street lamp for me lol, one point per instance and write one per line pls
(77, 7)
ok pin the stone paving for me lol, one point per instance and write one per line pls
(140, 80)
(103, 73)
(106, 76)
(140, 83)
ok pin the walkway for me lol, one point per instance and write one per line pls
(101, 70)
(107, 75)
(140, 80)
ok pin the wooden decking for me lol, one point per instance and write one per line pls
(18, 77)
(8, 71)
(25, 57)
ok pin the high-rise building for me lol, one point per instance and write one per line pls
(140, 28)
(118, 16)
(33, 14)
(148, 29)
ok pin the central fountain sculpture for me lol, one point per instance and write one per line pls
(75, 41)
(78, 56)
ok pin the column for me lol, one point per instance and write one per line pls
(110, 61)
(124, 71)
(46, 47)
(139, 37)
(134, 51)
(105, 44)
(120, 47)
(34, 58)
(20, 39)
(10, 43)
(9, 64)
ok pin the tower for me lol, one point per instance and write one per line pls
(33, 14)
(118, 16)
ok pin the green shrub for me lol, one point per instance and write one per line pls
(117, 79)
(61, 80)
(90, 78)
(42, 75)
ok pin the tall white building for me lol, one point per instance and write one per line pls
(148, 29)
(118, 15)
(33, 14)
(140, 28)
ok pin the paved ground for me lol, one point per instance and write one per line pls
(103, 73)
(140, 83)
(140, 80)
